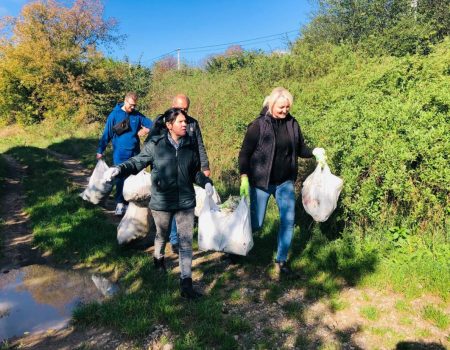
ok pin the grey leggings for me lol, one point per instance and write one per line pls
(185, 224)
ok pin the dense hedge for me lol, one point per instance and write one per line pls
(383, 121)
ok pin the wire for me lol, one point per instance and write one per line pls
(207, 48)
(238, 42)
(246, 45)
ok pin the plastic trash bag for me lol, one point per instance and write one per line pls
(200, 195)
(106, 287)
(134, 224)
(320, 193)
(227, 231)
(98, 189)
(137, 187)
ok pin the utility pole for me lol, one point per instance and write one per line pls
(178, 59)
(414, 7)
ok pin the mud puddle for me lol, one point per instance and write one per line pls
(38, 298)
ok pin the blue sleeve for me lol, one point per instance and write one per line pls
(145, 121)
(108, 134)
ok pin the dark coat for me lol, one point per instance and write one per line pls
(257, 153)
(173, 172)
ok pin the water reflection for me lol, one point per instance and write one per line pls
(36, 298)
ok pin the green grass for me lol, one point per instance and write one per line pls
(423, 333)
(380, 331)
(327, 262)
(294, 310)
(438, 317)
(63, 224)
(402, 305)
(337, 304)
(370, 312)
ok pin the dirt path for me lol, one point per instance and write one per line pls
(17, 239)
(18, 251)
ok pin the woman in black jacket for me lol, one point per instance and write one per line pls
(268, 166)
(175, 167)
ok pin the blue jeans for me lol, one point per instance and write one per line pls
(120, 156)
(173, 237)
(285, 197)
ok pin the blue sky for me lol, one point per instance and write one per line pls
(156, 27)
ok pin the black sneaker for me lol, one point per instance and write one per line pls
(159, 264)
(232, 259)
(283, 270)
(187, 291)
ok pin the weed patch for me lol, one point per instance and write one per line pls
(436, 316)
(370, 312)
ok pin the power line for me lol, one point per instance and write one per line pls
(207, 48)
(238, 42)
(246, 45)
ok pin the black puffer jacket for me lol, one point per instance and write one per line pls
(256, 156)
(173, 172)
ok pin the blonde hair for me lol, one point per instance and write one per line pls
(275, 95)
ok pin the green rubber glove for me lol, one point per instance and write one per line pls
(245, 187)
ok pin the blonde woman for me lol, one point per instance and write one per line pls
(268, 166)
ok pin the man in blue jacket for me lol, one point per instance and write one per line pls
(127, 144)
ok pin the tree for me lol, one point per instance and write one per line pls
(234, 57)
(397, 27)
(49, 58)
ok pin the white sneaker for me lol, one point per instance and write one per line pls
(120, 209)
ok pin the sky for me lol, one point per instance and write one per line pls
(154, 28)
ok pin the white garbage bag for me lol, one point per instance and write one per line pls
(137, 187)
(134, 224)
(320, 193)
(200, 195)
(98, 189)
(225, 231)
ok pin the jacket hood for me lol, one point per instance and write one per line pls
(118, 106)
(163, 136)
(264, 111)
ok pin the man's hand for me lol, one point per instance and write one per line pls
(321, 158)
(207, 172)
(244, 190)
(99, 156)
(209, 189)
(110, 174)
(144, 131)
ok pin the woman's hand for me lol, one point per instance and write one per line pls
(320, 155)
(244, 190)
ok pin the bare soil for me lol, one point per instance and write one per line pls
(291, 321)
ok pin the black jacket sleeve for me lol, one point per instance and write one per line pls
(249, 145)
(204, 162)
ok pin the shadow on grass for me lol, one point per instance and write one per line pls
(82, 149)
(415, 345)
(78, 233)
